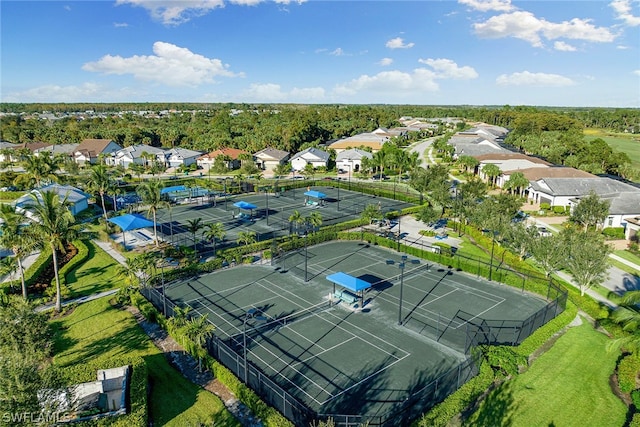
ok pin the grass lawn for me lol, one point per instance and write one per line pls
(97, 274)
(97, 331)
(621, 142)
(566, 386)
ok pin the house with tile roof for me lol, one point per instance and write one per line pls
(268, 158)
(351, 160)
(206, 161)
(369, 140)
(90, 150)
(136, 154)
(508, 162)
(310, 156)
(78, 200)
(58, 150)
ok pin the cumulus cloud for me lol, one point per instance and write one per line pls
(85, 92)
(637, 72)
(385, 62)
(526, 26)
(564, 47)
(398, 43)
(171, 65)
(447, 69)
(527, 78)
(397, 82)
(175, 12)
(337, 52)
(624, 12)
(486, 5)
(271, 92)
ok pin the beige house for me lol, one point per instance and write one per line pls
(372, 141)
(267, 159)
(206, 161)
(90, 150)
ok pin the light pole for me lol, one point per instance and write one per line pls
(402, 264)
(164, 293)
(305, 256)
(493, 244)
(252, 313)
(266, 196)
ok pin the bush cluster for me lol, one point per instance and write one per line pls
(628, 369)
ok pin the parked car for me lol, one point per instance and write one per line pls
(379, 177)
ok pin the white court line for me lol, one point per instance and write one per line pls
(324, 350)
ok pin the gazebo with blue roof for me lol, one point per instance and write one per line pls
(349, 283)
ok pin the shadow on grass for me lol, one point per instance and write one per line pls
(496, 409)
(86, 281)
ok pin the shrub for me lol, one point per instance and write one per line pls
(504, 359)
(545, 206)
(75, 262)
(613, 233)
(635, 421)
(635, 397)
(628, 369)
(559, 210)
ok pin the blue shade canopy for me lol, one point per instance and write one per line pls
(316, 194)
(131, 222)
(174, 189)
(245, 205)
(347, 281)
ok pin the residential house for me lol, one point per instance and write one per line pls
(624, 198)
(6, 151)
(351, 160)
(267, 159)
(310, 156)
(54, 150)
(508, 162)
(177, 157)
(90, 150)
(138, 154)
(372, 141)
(78, 200)
(632, 230)
(206, 161)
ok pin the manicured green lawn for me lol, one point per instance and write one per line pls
(97, 331)
(621, 142)
(566, 386)
(97, 274)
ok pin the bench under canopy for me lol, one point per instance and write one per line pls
(350, 283)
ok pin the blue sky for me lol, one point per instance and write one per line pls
(475, 52)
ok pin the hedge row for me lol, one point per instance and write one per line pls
(628, 369)
(75, 262)
(137, 414)
(269, 416)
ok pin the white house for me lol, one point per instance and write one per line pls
(508, 163)
(310, 156)
(269, 158)
(208, 160)
(177, 157)
(351, 160)
(78, 200)
(136, 154)
(362, 140)
(57, 150)
(90, 150)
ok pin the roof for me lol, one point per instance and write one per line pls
(272, 153)
(6, 144)
(510, 156)
(353, 154)
(535, 174)
(233, 153)
(581, 187)
(348, 281)
(93, 147)
(33, 146)
(310, 153)
(182, 153)
(370, 140)
(136, 151)
(58, 149)
(72, 194)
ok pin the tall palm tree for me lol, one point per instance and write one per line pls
(314, 220)
(150, 194)
(18, 237)
(100, 182)
(214, 232)
(193, 226)
(55, 224)
(199, 330)
(296, 218)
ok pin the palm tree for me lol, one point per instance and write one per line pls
(130, 272)
(371, 212)
(150, 194)
(193, 226)
(628, 317)
(55, 224)
(214, 232)
(314, 220)
(247, 237)
(100, 182)
(199, 330)
(296, 218)
(17, 237)
(492, 172)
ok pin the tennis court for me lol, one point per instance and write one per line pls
(340, 358)
(270, 217)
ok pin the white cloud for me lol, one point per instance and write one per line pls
(486, 5)
(175, 12)
(385, 62)
(171, 65)
(395, 82)
(525, 26)
(120, 24)
(564, 47)
(637, 72)
(527, 78)
(85, 92)
(246, 2)
(624, 13)
(447, 69)
(337, 52)
(398, 43)
(271, 92)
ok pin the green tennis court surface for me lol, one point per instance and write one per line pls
(270, 218)
(342, 358)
